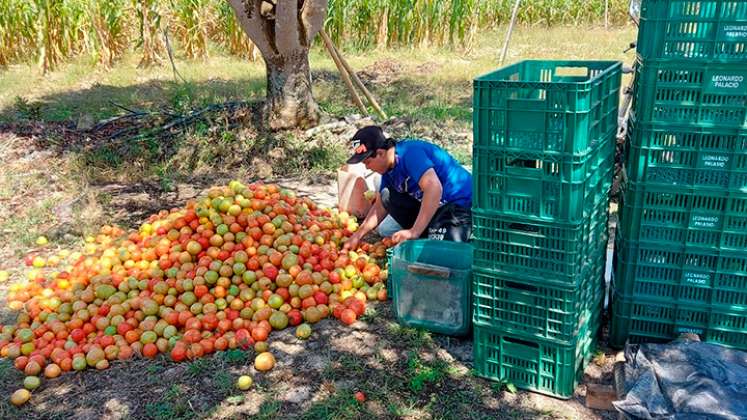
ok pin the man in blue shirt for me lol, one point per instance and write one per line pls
(422, 187)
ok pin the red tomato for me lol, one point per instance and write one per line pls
(150, 350)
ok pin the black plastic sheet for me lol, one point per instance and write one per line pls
(684, 380)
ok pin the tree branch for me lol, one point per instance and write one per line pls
(286, 27)
(312, 16)
(247, 11)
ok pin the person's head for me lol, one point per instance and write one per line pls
(371, 147)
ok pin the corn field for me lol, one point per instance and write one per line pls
(49, 32)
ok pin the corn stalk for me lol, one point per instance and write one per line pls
(191, 19)
(17, 31)
(227, 32)
(52, 31)
(150, 40)
(109, 27)
(49, 33)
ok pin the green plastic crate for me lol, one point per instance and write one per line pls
(643, 281)
(431, 285)
(534, 308)
(686, 156)
(547, 106)
(640, 321)
(551, 251)
(667, 216)
(540, 186)
(702, 30)
(536, 365)
(706, 94)
(687, 275)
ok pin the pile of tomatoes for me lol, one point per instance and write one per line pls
(220, 273)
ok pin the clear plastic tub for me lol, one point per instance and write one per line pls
(431, 285)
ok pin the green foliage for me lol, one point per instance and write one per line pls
(108, 20)
(269, 409)
(192, 28)
(235, 357)
(53, 31)
(27, 110)
(172, 406)
(423, 373)
(7, 369)
(223, 382)
(504, 384)
(198, 367)
(382, 23)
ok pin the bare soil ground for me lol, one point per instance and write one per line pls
(405, 373)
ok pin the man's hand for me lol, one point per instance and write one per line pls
(351, 244)
(404, 235)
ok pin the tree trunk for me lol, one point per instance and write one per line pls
(290, 102)
(283, 33)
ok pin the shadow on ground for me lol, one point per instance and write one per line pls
(404, 373)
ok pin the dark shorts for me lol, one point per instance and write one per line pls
(450, 223)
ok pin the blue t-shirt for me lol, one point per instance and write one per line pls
(413, 158)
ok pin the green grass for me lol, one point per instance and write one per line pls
(269, 410)
(224, 382)
(411, 337)
(172, 405)
(7, 370)
(29, 225)
(235, 356)
(199, 367)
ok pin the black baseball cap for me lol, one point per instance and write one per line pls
(366, 142)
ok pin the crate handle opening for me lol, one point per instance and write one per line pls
(429, 270)
(526, 287)
(521, 342)
(525, 163)
(571, 71)
(524, 228)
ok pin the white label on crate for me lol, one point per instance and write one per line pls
(697, 278)
(704, 221)
(714, 161)
(725, 82)
(687, 330)
(732, 32)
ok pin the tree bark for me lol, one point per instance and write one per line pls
(290, 103)
(284, 41)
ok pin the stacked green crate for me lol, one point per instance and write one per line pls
(544, 139)
(681, 248)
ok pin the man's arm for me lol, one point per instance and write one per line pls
(432, 191)
(375, 215)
